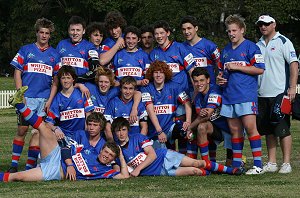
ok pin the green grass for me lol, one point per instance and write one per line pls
(7, 83)
(267, 185)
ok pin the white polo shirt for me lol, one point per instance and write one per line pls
(278, 55)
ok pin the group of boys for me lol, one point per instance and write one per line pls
(156, 89)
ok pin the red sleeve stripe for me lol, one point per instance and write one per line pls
(109, 173)
(20, 60)
(51, 115)
(85, 64)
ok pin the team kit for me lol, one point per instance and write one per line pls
(140, 104)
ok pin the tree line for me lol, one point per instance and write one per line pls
(17, 18)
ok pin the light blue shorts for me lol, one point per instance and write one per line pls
(180, 110)
(51, 164)
(238, 110)
(172, 161)
(157, 144)
(36, 105)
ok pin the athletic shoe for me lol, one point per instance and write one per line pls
(270, 167)
(255, 171)
(285, 168)
(238, 171)
(12, 170)
(18, 96)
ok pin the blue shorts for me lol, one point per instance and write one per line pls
(172, 161)
(238, 110)
(37, 105)
(180, 110)
(51, 164)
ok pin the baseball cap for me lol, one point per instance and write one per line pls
(265, 19)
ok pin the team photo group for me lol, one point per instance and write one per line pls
(118, 101)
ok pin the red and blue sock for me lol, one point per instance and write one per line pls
(216, 167)
(29, 116)
(192, 149)
(4, 177)
(204, 150)
(237, 149)
(255, 144)
(33, 153)
(16, 152)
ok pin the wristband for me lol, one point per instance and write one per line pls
(159, 132)
(70, 165)
(54, 129)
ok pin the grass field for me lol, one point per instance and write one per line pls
(267, 185)
(7, 83)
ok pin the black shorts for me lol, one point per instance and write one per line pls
(217, 133)
(264, 125)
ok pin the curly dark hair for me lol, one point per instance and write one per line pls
(114, 19)
(94, 26)
(159, 66)
(98, 118)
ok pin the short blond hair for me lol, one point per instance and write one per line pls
(236, 19)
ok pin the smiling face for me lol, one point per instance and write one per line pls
(159, 77)
(189, 31)
(76, 32)
(127, 92)
(66, 81)
(104, 84)
(106, 155)
(122, 135)
(235, 33)
(131, 41)
(161, 37)
(201, 83)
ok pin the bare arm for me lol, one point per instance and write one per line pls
(108, 132)
(293, 80)
(144, 127)
(151, 156)
(106, 57)
(251, 70)
(18, 78)
(124, 174)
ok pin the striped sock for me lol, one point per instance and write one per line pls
(192, 149)
(33, 153)
(4, 177)
(29, 116)
(216, 167)
(204, 172)
(204, 150)
(255, 144)
(16, 152)
(237, 148)
(212, 148)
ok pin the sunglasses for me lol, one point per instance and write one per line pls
(265, 24)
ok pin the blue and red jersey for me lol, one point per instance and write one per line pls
(118, 108)
(165, 103)
(99, 99)
(37, 67)
(75, 55)
(178, 58)
(134, 155)
(130, 64)
(108, 43)
(207, 55)
(69, 111)
(241, 87)
(85, 158)
(213, 100)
